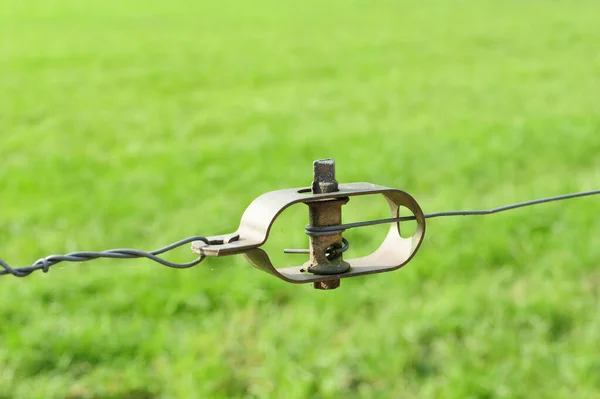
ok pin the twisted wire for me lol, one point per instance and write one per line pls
(44, 264)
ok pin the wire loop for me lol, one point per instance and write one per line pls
(335, 251)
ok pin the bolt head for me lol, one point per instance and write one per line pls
(327, 284)
(324, 176)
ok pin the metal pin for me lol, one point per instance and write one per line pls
(296, 251)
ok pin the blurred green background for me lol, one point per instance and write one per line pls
(135, 124)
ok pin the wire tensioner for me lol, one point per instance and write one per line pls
(324, 199)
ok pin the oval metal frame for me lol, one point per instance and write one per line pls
(394, 252)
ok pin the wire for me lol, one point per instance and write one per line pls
(326, 230)
(512, 206)
(44, 264)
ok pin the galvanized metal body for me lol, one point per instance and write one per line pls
(394, 252)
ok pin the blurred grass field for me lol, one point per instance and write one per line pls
(135, 124)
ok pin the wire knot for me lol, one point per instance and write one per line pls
(44, 263)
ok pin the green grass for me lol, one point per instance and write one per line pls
(135, 124)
